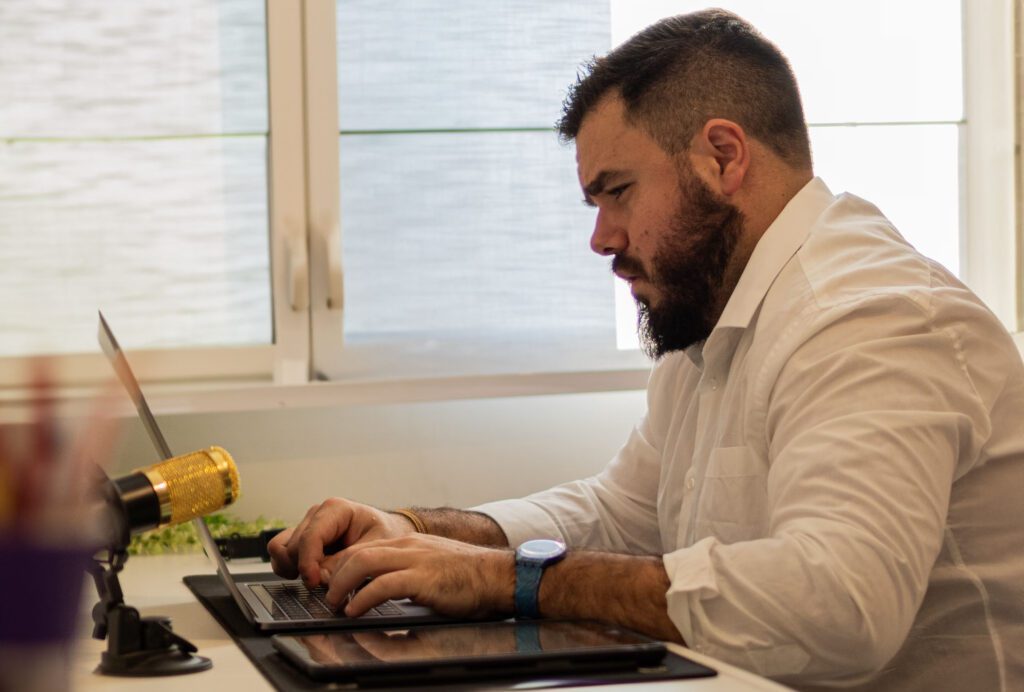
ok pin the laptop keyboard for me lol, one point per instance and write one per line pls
(296, 602)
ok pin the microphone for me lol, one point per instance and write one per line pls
(168, 492)
(172, 491)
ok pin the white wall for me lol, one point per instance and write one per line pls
(455, 453)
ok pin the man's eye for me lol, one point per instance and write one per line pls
(616, 192)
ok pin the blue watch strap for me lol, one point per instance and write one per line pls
(528, 576)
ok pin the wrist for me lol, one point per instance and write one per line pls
(409, 521)
(504, 581)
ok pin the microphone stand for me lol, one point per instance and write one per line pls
(136, 646)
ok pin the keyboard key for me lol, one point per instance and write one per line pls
(294, 601)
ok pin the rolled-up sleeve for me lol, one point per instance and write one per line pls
(612, 511)
(615, 510)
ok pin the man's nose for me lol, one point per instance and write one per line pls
(609, 237)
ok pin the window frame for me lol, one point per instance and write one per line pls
(990, 158)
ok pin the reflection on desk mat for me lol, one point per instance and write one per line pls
(283, 676)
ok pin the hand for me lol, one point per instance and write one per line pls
(454, 578)
(336, 522)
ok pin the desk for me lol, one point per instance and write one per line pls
(154, 586)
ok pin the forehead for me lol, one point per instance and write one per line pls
(607, 142)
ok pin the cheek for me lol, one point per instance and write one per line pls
(649, 234)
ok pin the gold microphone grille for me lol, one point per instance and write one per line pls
(198, 483)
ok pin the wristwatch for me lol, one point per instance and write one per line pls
(532, 557)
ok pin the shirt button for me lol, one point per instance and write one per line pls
(690, 483)
(714, 385)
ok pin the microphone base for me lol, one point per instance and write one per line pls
(144, 647)
(152, 664)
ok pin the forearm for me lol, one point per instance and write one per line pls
(626, 590)
(462, 525)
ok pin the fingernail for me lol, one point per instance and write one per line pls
(325, 576)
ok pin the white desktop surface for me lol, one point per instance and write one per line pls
(154, 586)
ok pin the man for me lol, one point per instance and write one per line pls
(826, 486)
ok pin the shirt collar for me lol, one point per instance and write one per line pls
(774, 249)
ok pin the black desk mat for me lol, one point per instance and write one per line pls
(285, 677)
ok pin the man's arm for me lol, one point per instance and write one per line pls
(463, 580)
(461, 525)
(626, 590)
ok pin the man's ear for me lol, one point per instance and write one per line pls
(726, 151)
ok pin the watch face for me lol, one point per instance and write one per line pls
(541, 549)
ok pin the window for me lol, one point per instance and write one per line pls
(133, 174)
(463, 236)
(353, 190)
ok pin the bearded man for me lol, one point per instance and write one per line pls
(826, 486)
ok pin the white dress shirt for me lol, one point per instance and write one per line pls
(835, 478)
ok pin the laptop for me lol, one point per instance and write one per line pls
(269, 605)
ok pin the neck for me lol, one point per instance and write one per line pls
(766, 193)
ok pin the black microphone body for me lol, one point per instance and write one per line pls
(139, 504)
(167, 493)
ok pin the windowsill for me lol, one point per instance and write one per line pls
(178, 399)
(380, 373)
(622, 371)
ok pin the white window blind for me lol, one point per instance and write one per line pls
(133, 175)
(460, 209)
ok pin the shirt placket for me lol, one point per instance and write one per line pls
(709, 418)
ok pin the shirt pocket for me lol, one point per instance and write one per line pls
(733, 503)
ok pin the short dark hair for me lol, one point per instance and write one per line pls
(679, 73)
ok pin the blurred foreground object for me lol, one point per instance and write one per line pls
(49, 531)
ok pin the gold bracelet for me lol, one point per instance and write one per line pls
(417, 522)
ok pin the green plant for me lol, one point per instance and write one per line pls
(182, 538)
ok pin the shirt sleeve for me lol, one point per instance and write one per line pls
(865, 422)
(614, 511)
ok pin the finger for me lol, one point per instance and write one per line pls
(360, 562)
(279, 560)
(292, 545)
(293, 540)
(383, 588)
(326, 526)
(331, 563)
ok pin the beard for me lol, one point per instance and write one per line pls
(687, 270)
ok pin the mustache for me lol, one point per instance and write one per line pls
(624, 264)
